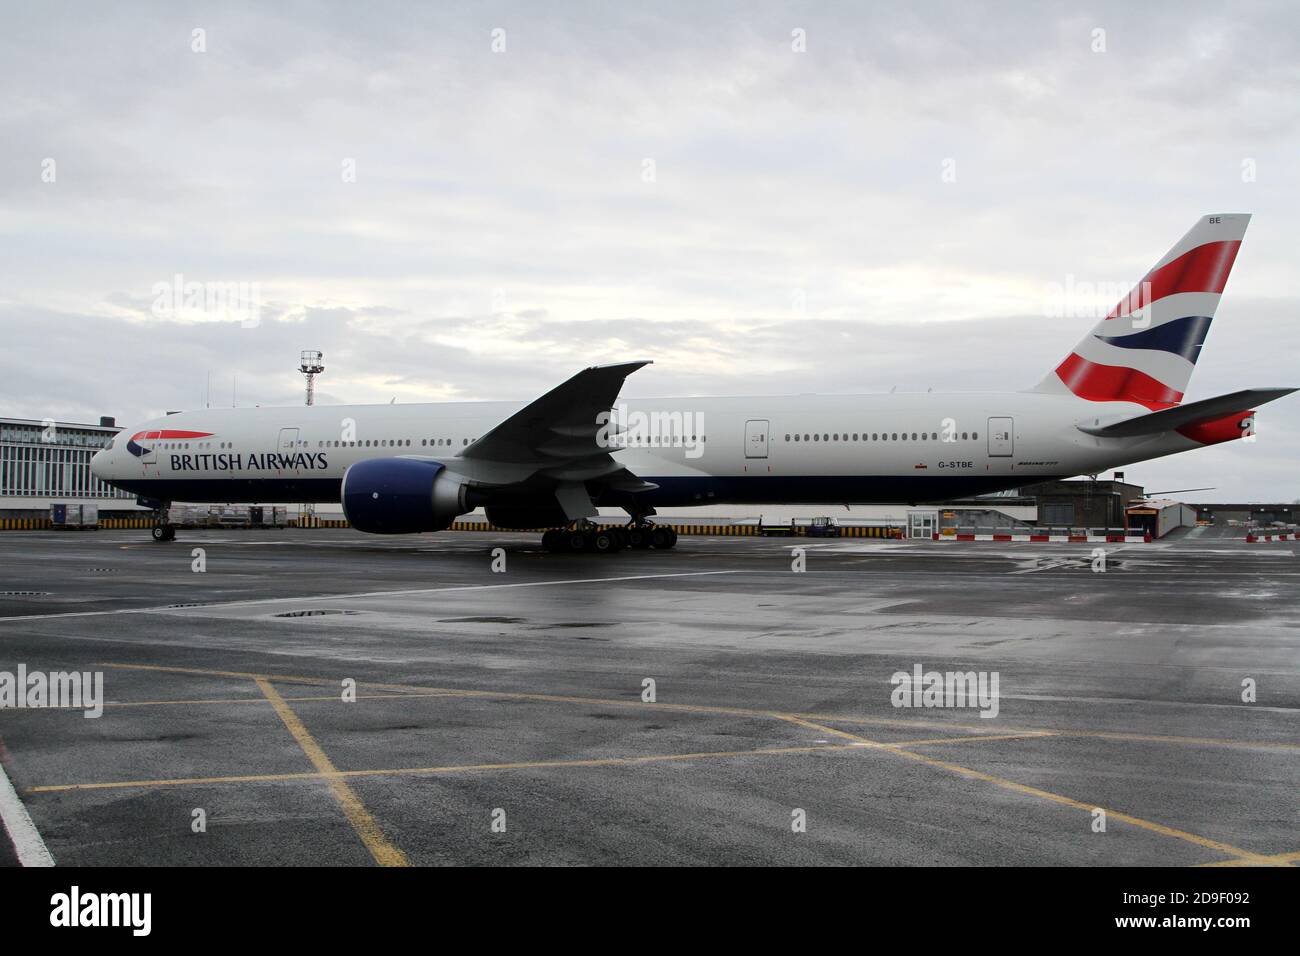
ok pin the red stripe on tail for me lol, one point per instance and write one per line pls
(1203, 269)
(1111, 383)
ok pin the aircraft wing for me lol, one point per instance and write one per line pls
(561, 424)
(554, 439)
(1193, 413)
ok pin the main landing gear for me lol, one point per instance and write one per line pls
(586, 536)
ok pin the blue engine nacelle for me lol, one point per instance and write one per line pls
(402, 496)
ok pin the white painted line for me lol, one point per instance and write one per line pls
(200, 607)
(1047, 567)
(27, 841)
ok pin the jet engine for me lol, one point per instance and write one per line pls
(402, 496)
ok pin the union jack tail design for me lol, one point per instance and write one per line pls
(1145, 350)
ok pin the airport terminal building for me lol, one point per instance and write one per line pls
(42, 462)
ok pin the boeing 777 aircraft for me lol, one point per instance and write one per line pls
(1117, 398)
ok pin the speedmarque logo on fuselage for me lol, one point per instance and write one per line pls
(167, 434)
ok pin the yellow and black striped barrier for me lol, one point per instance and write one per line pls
(716, 530)
(45, 524)
(25, 524)
(701, 529)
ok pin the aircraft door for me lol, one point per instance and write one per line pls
(1001, 437)
(756, 439)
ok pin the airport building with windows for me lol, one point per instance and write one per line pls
(44, 462)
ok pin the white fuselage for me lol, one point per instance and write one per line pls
(854, 449)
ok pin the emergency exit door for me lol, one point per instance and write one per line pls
(756, 439)
(1001, 438)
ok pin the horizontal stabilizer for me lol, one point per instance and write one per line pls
(1193, 413)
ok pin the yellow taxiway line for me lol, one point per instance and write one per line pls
(1244, 856)
(369, 831)
(362, 820)
(448, 769)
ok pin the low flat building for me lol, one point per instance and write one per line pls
(43, 462)
(1082, 502)
(1247, 513)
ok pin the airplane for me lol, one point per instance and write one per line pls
(1115, 399)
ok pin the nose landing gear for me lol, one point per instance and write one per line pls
(163, 529)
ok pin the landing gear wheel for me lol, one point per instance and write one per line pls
(672, 538)
(163, 532)
(553, 540)
(575, 541)
(602, 542)
(620, 536)
(638, 538)
(660, 540)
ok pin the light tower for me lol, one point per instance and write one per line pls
(311, 364)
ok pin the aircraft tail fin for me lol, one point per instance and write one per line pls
(1145, 349)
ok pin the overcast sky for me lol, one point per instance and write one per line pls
(898, 205)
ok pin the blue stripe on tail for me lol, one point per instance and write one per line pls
(1183, 337)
